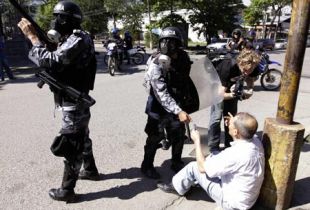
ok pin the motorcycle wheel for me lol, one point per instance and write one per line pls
(111, 65)
(137, 58)
(106, 59)
(271, 79)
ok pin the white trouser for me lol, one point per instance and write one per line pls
(185, 178)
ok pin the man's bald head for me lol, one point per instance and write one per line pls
(246, 125)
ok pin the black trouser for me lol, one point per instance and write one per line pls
(127, 54)
(155, 130)
(77, 146)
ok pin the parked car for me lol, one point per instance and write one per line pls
(266, 43)
(219, 46)
(280, 44)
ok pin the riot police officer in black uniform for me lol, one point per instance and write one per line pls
(74, 64)
(168, 73)
(237, 42)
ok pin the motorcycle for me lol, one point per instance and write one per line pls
(270, 78)
(113, 57)
(141, 49)
(135, 56)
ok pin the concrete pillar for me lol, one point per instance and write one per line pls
(282, 145)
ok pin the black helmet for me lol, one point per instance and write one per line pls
(173, 33)
(170, 40)
(69, 9)
(236, 31)
(251, 35)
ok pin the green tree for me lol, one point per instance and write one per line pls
(95, 17)
(132, 18)
(45, 14)
(209, 16)
(255, 12)
(171, 20)
(115, 8)
(165, 5)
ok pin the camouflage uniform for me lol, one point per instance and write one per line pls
(165, 101)
(74, 64)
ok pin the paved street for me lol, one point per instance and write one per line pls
(28, 169)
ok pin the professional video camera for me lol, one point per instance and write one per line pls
(239, 88)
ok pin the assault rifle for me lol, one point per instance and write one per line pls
(77, 96)
(45, 77)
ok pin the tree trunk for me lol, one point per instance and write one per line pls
(1, 25)
(114, 21)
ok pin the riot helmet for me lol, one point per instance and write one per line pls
(251, 35)
(237, 32)
(127, 34)
(68, 16)
(170, 40)
(68, 9)
(115, 33)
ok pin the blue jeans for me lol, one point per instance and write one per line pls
(4, 64)
(218, 111)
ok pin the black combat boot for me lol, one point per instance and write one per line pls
(60, 194)
(66, 191)
(147, 167)
(90, 171)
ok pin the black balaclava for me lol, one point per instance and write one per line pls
(168, 46)
(61, 26)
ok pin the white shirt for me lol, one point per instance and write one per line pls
(241, 169)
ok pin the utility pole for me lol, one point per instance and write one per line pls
(149, 13)
(282, 136)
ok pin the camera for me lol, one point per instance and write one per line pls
(239, 87)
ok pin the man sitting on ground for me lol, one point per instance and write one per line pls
(233, 177)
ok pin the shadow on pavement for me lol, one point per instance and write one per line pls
(197, 193)
(305, 148)
(301, 192)
(141, 184)
(123, 192)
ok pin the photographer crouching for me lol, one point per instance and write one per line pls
(233, 73)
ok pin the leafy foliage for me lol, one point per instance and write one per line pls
(209, 16)
(165, 5)
(95, 20)
(45, 14)
(95, 15)
(171, 20)
(132, 18)
(255, 11)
